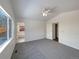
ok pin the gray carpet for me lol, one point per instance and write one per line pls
(44, 49)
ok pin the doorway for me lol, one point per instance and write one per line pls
(55, 32)
(20, 32)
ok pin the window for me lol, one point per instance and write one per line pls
(5, 26)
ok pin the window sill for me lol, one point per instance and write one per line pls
(3, 46)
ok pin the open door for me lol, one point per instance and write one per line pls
(55, 32)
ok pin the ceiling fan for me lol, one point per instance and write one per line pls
(46, 11)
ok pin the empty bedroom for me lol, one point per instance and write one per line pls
(39, 29)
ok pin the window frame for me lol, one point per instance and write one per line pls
(3, 45)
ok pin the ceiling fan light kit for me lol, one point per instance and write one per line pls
(44, 14)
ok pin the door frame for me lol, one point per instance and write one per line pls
(53, 31)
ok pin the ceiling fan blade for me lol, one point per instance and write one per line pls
(52, 10)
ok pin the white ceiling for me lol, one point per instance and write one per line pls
(31, 9)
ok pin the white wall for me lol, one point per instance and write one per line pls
(68, 28)
(35, 29)
(7, 52)
(49, 31)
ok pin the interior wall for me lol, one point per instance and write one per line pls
(7, 52)
(68, 28)
(35, 29)
(49, 31)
